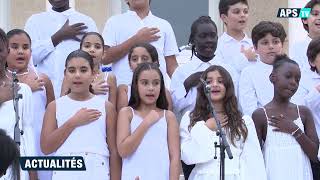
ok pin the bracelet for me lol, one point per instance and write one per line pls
(294, 131)
(299, 135)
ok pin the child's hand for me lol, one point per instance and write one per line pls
(192, 81)
(152, 117)
(100, 87)
(35, 83)
(211, 123)
(282, 124)
(147, 35)
(249, 53)
(71, 31)
(85, 116)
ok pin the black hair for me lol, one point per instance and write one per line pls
(92, 33)
(17, 32)
(134, 101)
(224, 5)
(310, 5)
(312, 52)
(84, 55)
(9, 155)
(279, 60)
(150, 49)
(194, 28)
(263, 28)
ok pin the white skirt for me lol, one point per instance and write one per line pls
(97, 168)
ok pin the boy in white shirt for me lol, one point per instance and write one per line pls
(234, 46)
(311, 25)
(138, 25)
(54, 34)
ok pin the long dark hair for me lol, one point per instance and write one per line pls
(236, 126)
(92, 33)
(150, 49)
(134, 101)
(9, 155)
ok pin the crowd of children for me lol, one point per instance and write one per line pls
(149, 117)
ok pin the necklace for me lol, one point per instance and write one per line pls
(18, 74)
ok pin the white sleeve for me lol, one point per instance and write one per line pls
(178, 92)
(41, 46)
(312, 100)
(197, 145)
(251, 159)
(27, 121)
(109, 33)
(92, 27)
(247, 93)
(170, 43)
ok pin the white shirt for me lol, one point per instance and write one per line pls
(120, 28)
(229, 49)
(298, 52)
(49, 59)
(197, 147)
(183, 102)
(256, 90)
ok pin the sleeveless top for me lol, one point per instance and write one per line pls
(87, 138)
(151, 158)
(284, 157)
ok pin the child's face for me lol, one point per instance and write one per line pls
(206, 39)
(20, 52)
(268, 47)
(149, 84)
(316, 63)
(237, 17)
(93, 45)
(3, 53)
(218, 90)
(313, 21)
(79, 74)
(287, 79)
(139, 55)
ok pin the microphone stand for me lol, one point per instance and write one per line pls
(224, 145)
(16, 97)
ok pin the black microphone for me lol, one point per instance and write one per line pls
(207, 87)
(14, 76)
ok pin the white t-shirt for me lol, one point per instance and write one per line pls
(50, 60)
(120, 28)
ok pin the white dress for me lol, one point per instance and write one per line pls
(7, 122)
(88, 141)
(283, 155)
(197, 147)
(150, 161)
(40, 101)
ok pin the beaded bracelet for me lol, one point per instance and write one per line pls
(294, 131)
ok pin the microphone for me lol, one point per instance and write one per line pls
(14, 76)
(207, 87)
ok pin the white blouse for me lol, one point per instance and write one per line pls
(197, 147)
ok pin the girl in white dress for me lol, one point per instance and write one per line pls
(41, 86)
(138, 54)
(7, 112)
(104, 84)
(82, 124)
(198, 133)
(147, 133)
(286, 131)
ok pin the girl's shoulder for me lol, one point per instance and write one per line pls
(127, 111)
